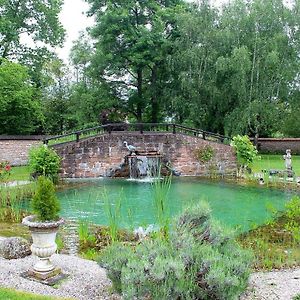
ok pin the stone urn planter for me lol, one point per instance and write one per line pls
(44, 245)
(44, 225)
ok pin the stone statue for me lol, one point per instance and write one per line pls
(288, 160)
(288, 163)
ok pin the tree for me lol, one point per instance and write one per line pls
(234, 69)
(20, 112)
(35, 19)
(133, 39)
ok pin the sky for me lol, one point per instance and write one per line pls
(74, 20)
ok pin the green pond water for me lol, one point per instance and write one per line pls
(236, 206)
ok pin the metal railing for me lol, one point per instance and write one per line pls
(173, 128)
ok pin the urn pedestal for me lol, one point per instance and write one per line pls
(43, 246)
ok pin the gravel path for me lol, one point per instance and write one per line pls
(275, 285)
(87, 280)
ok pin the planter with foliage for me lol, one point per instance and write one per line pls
(44, 224)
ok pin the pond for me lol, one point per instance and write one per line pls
(237, 206)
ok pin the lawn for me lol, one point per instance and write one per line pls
(272, 161)
(19, 173)
(10, 294)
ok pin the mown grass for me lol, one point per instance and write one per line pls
(11, 294)
(19, 173)
(274, 161)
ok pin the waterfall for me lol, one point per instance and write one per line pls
(144, 166)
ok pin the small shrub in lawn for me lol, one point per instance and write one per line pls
(45, 203)
(44, 161)
(199, 260)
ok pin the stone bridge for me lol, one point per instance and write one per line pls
(183, 151)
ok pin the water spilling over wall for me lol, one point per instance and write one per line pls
(144, 166)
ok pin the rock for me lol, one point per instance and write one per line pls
(14, 247)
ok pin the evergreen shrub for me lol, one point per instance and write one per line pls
(45, 204)
(199, 260)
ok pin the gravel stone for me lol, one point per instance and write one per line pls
(86, 281)
(14, 247)
(275, 285)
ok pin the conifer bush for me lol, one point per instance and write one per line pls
(200, 260)
(45, 204)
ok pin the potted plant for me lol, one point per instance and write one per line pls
(44, 225)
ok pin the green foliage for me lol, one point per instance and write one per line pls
(293, 218)
(199, 261)
(44, 161)
(20, 112)
(11, 199)
(276, 244)
(205, 154)
(5, 170)
(37, 18)
(161, 190)
(245, 151)
(113, 213)
(134, 40)
(45, 204)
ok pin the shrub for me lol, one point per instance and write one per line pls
(44, 161)
(45, 203)
(205, 154)
(245, 151)
(200, 260)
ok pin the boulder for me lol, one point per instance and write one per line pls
(14, 247)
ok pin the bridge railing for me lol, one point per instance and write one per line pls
(173, 128)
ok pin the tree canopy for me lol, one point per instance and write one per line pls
(231, 71)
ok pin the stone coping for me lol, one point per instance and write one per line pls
(30, 222)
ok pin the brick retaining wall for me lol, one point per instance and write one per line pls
(279, 146)
(97, 156)
(14, 149)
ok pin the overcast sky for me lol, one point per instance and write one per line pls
(74, 20)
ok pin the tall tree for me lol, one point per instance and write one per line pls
(20, 111)
(236, 67)
(33, 19)
(133, 40)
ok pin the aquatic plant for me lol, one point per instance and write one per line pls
(276, 244)
(113, 213)
(11, 199)
(293, 218)
(200, 260)
(161, 190)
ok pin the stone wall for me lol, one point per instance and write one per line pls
(100, 155)
(279, 146)
(14, 149)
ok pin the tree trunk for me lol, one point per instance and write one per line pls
(154, 96)
(139, 109)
